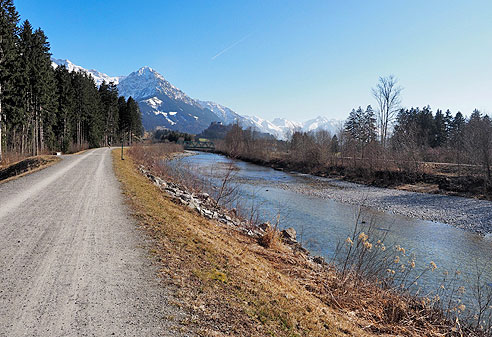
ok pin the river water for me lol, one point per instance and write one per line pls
(322, 223)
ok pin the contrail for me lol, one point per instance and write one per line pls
(231, 46)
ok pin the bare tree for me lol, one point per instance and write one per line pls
(388, 96)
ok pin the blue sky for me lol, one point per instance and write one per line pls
(292, 59)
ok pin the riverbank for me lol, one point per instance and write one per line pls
(465, 213)
(231, 284)
(469, 214)
(445, 183)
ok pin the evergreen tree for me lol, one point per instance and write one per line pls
(44, 86)
(65, 108)
(439, 132)
(123, 121)
(355, 124)
(9, 19)
(134, 116)
(109, 101)
(448, 120)
(370, 127)
(45, 109)
(456, 135)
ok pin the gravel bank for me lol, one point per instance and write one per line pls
(468, 214)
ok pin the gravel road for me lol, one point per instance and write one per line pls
(72, 261)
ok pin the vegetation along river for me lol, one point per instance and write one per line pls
(323, 212)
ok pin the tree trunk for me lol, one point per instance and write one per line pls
(2, 58)
(1, 125)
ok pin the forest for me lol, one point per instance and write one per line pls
(45, 109)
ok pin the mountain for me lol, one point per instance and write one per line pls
(322, 123)
(165, 106)
(98, 76)
(226, 115)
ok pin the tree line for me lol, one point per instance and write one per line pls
(43, 109)
(386, 138)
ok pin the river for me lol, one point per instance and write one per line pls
(321, 223)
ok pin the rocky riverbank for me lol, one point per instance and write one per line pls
(465, 213)
(206, 206)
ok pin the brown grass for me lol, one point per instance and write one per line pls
(228, 282)
(231, 285)
(271, 239)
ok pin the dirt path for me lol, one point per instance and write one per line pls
(72, 262)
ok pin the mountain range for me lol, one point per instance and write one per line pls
(165, 106)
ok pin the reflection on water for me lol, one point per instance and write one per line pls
(322, 223)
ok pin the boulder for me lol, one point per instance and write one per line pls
(203, 196)
(289, 235)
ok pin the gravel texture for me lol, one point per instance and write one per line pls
(72, 260)
(468, 214)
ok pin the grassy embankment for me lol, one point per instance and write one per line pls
(231, 285)
(26, 166)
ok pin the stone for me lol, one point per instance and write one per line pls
(203, 196)
(289, 235)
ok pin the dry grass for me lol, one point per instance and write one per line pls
(420, 187)
(231, 285)
(271, 239)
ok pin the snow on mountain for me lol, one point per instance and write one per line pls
(287, 124)
(265, 126)
(282, 128)
(322, 123)
(146, 82)
(98, 76)
(226, 115)
(164, 105)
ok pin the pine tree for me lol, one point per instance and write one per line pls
(109, 100)
(26, 87)
(448, 120)
(135, 121)
(9, 19)
(456, 135)
(355, 124)
(439, 134)
(370, 127)
(123, 121)
(65, 108)
(44, 86)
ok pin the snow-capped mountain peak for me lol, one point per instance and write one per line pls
(96, 75)
(164, 105)
(227, 115)
(146, 82)
(323, 123)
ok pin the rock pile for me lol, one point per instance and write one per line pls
(204, 204)
(201, 203)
